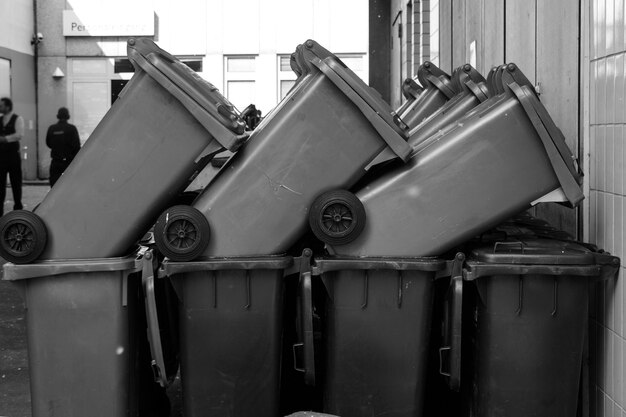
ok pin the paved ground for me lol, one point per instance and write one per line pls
(14, 381)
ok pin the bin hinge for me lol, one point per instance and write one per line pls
(154, 332)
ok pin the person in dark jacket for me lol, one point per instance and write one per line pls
(64, 143)
(11, 132)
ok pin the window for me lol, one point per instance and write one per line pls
(356, 62)
(5, 78)
(286, 76)
(434, 31)
(240, 80)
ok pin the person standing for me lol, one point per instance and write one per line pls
(64, 143)
(11, 132)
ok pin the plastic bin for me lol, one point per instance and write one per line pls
(411, 90)
(321, 137)
(438, 88)
(527, 325)
(81, 335)
(472, 90)
(376, 334)
(468, 177)
(230, 330)
(139, 158)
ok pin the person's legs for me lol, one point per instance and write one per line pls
(15, 174)
(55, 172)
(4, 169)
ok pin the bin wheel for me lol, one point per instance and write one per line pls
(182, 233)
(337, 217)
(23, 236)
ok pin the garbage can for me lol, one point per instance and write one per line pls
(472, 90)
(322, 137)
(528, 325)
(411, 90)
(230, 332)
(80, 318)
(376, 333)
(494, 176)
(139, 158)
(438, 89)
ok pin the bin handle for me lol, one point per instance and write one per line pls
(446, 90)
(154, 334)
(393, 139)
(453, 326)
(306, 321)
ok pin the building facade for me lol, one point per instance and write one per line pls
(17, 72)
(241, 47)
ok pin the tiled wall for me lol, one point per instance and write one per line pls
(607, 201)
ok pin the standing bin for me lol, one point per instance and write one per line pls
(139, 158)
(80, 318)
(376, 334)
(491, 164)
(438, 89)
(528, 325)
(322, 137)
(230, 332)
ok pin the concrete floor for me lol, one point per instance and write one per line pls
(14, 380)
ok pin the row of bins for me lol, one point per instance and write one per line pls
(346, 328)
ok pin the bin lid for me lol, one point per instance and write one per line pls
(533, 251)
(411, 89)
(327, 264)
(380, 115)
(466, 79)
(200, 97)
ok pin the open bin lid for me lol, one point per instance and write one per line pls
(14, 272)
(328, 264)
(386, 122)
(278, 262)
(201, 98)
(431, 75)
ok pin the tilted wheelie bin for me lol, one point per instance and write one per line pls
(376, 328)
(527, 322)
(81, 324)
(493, 163)
(438, 89)
(321, 138)
(231, 334)
(135, 163)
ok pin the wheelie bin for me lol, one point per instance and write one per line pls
(472, 90)
(81, 318)
(494, 176)
(527, 325)
(376, 331)
(438, 89)
(231, 334)
(163, 128)
(322, 137)
(411, 90)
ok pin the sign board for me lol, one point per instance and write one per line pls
(103, 19)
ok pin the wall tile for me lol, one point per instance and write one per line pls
(609, 159)
(601, 220)
(610, 87)
(593, 214)
(618, 366)
(610, 221)
(601, 16)
(618, 31)
(600, 89)
(618, 296)
(619, 88)
(593, 92)
(600, 158)
(618, 151)
(608, 356)
(600, 370)
(609, 304)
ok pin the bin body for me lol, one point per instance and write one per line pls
(230, 332)
(316, 140)
(468, 177)
(135, 163)
(81, 339)
(376, 339)
(528, 327)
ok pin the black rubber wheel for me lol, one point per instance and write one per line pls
(337, 217)
(23, 236)
(182, 233)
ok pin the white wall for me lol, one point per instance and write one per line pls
(17, 25)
